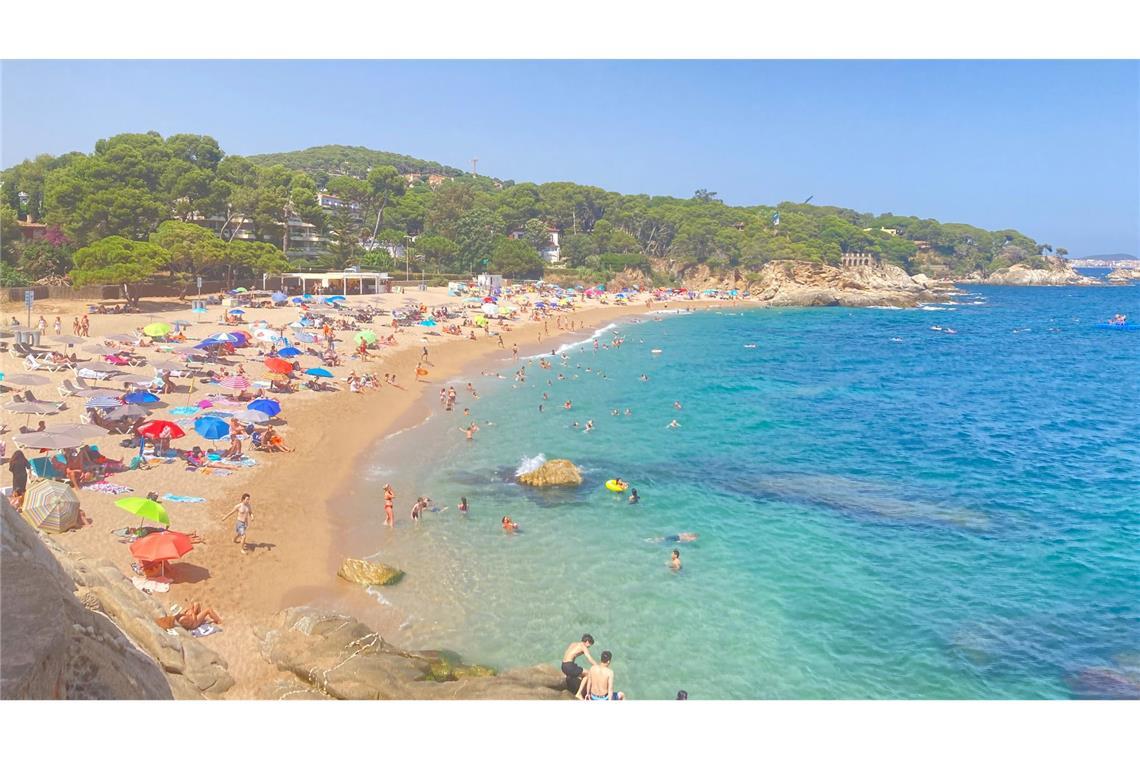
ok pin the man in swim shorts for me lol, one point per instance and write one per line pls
(571, 669)
(598, 685)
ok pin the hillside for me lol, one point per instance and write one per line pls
(354, 161)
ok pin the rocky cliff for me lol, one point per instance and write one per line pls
(1056, 272)
(77, 629)
(1123, 276)
(801, 283)
(336, 656)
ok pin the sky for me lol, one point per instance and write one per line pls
(1051, 148)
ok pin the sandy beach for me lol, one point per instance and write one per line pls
(292, 535)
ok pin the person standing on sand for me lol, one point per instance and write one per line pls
(244, 512)
(57, 326)
(515, 350)
(75, 328)
(389, 499)
(85, 325)
(571, 669)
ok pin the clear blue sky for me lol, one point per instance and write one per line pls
(1050, 148)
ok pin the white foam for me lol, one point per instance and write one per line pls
(585, 341)
(375, 594)
(530, 464)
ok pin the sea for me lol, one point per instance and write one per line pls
(932, 503)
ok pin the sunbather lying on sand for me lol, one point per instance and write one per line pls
(193, 616)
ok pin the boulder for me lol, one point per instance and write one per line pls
(332, 655)
(803, 283)
(1053, 272)
(556, 472)
(51, 645)
(369, 573)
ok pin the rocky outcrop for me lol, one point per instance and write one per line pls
(336, 656)
(1055, 272)
(801, 283)
(556, 472)
(75, 628)
(369, 573)
(1123, 276)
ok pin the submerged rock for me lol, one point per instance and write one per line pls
(556, 472)
(340, 657)
(369, 573)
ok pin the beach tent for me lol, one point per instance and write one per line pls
(52, 506)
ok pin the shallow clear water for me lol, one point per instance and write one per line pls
(883, 510)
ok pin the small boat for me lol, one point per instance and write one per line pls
(750, 345)
(655, 351)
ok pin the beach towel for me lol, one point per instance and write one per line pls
(187, 499)
(205, 630)
(149, 586)
(105, 487)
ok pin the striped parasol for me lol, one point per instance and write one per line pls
(52, 506)
(234, 382)
(103, 402)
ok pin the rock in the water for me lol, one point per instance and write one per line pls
(340, 657)
(802, 283)
(369, 573)
(556, 472)
(1053, 272)
(1123, 276)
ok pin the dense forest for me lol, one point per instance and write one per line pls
(126, 212)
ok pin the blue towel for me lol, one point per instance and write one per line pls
(176, 497)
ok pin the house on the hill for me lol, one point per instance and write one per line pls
(551, 250)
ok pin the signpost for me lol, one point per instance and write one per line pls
(199, 284)
(29, 299)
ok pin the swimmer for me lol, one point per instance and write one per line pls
(614, 413)
(644, 378)
(508, 525)
(540, 407)
(628, 412)
(633, 497)
(567, 405)
(462, 506)
(675, 560)
(676, 538)
(676, 404)
(673, 424)
(589, 426)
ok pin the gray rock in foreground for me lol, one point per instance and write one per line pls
(340, 657)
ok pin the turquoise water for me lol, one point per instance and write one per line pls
(883, 510)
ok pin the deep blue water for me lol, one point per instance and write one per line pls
(884, 510)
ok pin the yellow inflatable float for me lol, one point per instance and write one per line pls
(616, 485)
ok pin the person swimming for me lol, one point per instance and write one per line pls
(675, 560)
(633, 497)
(673, 424)
(509, 526)
(462, 506)
(676, 538)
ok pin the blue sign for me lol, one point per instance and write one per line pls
(29, 298)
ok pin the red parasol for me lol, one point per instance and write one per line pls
(279, 366)
(154, 428)
(161, 546)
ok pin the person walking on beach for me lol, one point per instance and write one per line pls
(244, 512)
(389, 499)
(85, 326)
(75, 327)
(57, 327)
(515, 350)
(571, 669)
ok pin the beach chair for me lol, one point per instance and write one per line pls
(82, 373)
(44, 468)
(80, 383)
(67, 388)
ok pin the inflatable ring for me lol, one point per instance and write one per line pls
(613, 486)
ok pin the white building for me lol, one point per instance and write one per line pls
(551, 251)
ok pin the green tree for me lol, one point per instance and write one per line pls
(193, 250)
(115, 260)
(447, 205)
(535, 234)
(516, 259)
(247, 260)
(475, 234)
(438, 253)
(384, 183)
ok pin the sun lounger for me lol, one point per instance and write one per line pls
(31, 361)
(67, 388)
(43, 467)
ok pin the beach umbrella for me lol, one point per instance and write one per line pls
(234, 382)
(52, 506)
(252, 415)
(76, 429)
(103, 402)
(22, 379)
(304, 337)
(144, 508)
(69, 340)
(133, 379)
(318, 372)
(157, 329)
(238, 290)
(278, 297)
(31, 407)
(266, 405)
(297, 299)
(161, 546)
(237, 311)
(266, 334)
(209, 343)
(480, 320)
(181, 323)
(141, 397)
(98, 393)
(189, 351)
(48, 440)
(227, 337)
(489, 309)
(168, 366)
(365, 336)
(102, 367)
(155, 428)
(127, 411)
(211, 428)
(123, 338)
(289, 352)
(278, 365)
